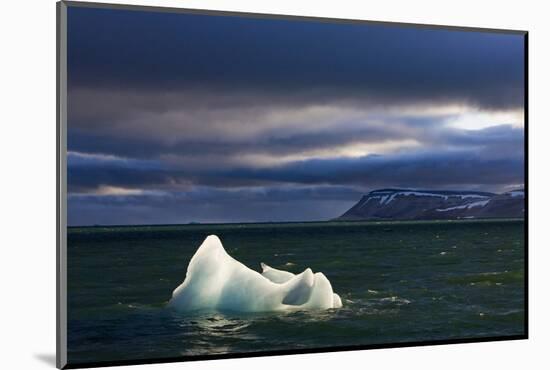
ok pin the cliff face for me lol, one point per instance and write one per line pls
(403, 204)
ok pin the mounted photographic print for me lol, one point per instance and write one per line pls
(234, 184)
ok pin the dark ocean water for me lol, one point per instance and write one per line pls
(399, 282)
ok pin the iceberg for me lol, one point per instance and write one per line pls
(215, 280)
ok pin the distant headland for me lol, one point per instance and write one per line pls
(406, 204)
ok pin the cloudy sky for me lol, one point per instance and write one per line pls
(175, 118)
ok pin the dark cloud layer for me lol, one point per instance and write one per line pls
(492, 156)
(147, 50)
(214, 205)
(419, 171)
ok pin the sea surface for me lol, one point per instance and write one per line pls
(399, 282)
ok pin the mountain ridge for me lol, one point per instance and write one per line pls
(413, 204)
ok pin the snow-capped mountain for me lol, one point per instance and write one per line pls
(405, 204)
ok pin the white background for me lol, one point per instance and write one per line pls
(27, 206)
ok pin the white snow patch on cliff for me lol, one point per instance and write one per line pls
(416, 193)
(386, 197)
(481, 203)
(466, 196)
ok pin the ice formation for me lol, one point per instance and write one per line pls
(215, 280)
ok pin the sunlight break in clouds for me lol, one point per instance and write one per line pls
(476, 120)
(113, 190)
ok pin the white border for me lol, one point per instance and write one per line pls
(28, 163)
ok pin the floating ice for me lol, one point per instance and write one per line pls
(280, 276)
(215, 280)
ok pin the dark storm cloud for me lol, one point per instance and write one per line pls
(502, 141)
(134, 124)
(490, 157)
(214, 205)
(82, 179)
(272, 143)
(459, 169)
(211, 194)
(147, 50)
(88, 172)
